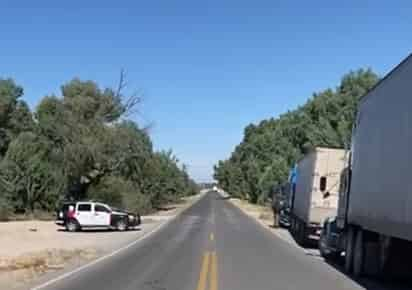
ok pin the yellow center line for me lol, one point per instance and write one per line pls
(213, 272)
(201, 285)
(212, 236)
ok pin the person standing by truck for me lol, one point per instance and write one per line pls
(276, 205)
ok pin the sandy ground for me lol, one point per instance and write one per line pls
(259, 212)
(32, 248)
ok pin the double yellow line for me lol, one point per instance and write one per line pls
(209, 259)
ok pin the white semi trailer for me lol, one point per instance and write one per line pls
(315, 195)
(373, 227)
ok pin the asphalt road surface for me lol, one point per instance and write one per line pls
(212, 245)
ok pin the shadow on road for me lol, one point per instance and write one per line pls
(222, 197)
(368, 283)
(375, 283)
(309, 244)
(166, 208)
(103, 231)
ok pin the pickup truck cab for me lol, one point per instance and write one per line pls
(75, 216)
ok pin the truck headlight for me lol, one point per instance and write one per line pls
(131, 217)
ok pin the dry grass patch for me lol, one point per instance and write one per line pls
(45, 260)
(259, 211)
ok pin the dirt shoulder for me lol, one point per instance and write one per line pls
(262, 213)
(30, 249)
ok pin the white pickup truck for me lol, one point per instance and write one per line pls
(79, 215)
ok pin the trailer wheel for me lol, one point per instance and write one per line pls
(297, 230)
(350, 241)
(322, 247)
(293, 227)
(359, 254)
(384, 252)
(302, 234)
(370, 255)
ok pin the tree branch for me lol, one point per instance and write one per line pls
(129, 103)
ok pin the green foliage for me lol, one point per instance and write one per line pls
(15, 116)
(28, 177)
(80, 146)
(112, 190)
(6, 208)
(270, 148)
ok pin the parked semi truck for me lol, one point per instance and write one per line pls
(373, 226)
(315, 194)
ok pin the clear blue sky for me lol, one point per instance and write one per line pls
(208, 68)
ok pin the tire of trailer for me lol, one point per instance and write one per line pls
(349, 248)
(384, 253)
(359, 254)
(292, 226)
(302, 234)
(297, 231)
(321, 245)
(295, 227)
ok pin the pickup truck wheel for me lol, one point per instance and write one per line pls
(293, 226)
(350, 243)
(358, 255)
(72, 225)
(121, 225)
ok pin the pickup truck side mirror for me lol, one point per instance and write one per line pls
(322, 183)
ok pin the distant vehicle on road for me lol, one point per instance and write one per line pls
(373, 226)
(75, 216)
(316, 194)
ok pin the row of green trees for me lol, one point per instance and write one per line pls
(268, 150)
(81, 145)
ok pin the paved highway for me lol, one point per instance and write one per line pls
(212, 245)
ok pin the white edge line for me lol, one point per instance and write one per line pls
(144, 236)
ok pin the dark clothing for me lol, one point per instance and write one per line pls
(276, 211)
(275, 219)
